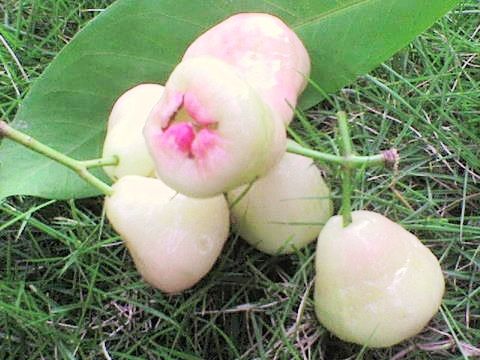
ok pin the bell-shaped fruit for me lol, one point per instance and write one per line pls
(286, 209)
(174, 240)
(124, 137)
(267, 54)
(211, 132)
(376, 283)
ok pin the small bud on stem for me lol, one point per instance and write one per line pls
(391, 156)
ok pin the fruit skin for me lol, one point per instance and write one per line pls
(174, 240)
(211, 132)
(292, 192)
(376, 283)
(265, 52)
(125, 132)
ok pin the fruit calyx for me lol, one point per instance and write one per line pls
(188, 128)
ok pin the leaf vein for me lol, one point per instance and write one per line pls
(330, 13)
(275, 5)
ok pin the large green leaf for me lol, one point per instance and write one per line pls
(138, 41)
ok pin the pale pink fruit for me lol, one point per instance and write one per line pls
(211, 132)
(265, 52)
(124, 137)
(174, 240)
(285, 210)
(376, 283)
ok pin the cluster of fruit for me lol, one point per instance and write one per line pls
(219, 127)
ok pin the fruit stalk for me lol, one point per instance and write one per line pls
(348, 161)
(80, 167)
(386, 157)
(347, 149)
(106, 161)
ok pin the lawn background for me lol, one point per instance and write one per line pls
(68, 288)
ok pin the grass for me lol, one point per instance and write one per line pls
(68, 288)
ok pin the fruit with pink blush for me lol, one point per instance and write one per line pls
(265, 52)
(124, 137)
(211, 132)
(376, 284)
(174, 240)
(284, 210)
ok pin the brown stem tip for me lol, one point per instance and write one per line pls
(3, 128)
(391, 156)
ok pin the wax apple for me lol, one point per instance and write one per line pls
(211, 132)
(376, 283)
(124, 137)
(285, 210)
(265, 52)
(174, 240)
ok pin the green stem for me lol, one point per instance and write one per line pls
(346, 140)
(347, 197)
(110, 161)
(80, 167)
(352, 161)
(347, 149)
(242, 195)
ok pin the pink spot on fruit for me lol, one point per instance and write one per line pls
(179, 136)
(195, 109)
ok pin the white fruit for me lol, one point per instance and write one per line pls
(286, 209)
(125, 132)
(376, 283)
(211, 132)
(174, 240)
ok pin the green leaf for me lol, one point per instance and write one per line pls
(137, 41)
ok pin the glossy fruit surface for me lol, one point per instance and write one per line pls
(376, 283)
(174, 240)
(211, 132)
(286, 209)
(267, 54)
(125, 132)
